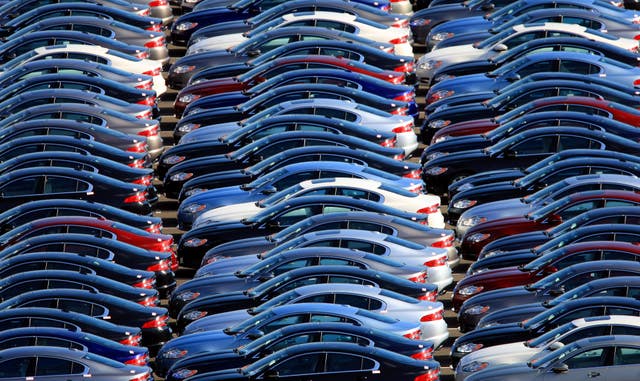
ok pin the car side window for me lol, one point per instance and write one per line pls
(53, 342)
(50, 366)
(536, 146)
(282, 322)
(574, 142)
(18, 367)
(571, 66)
(341, 53)
(588, 359)
(574, 259)
(593, 24)
(335, 262)
(592, 331)
(322, 318)
(59, 184)
(626, 356)
(359, 301)
(522, 38)
(625, 330)
(288, 266)
(347, 279)
(621, 311)
(578, 208)
(342, 362)
(583, 278)
(298, 365)
(582, 313)
(336, 25)
(295, 178)
(293, 340)
(334, 209)
(634, 292)
(82, 307)
(538, 67)
(22, 187)
(18, 342)
(295, 215)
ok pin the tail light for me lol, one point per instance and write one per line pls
(153, 131)
(139, 147)
(155, 28)
(420, 278)
(162, 265)
(408, 127)
(158, 322)
(174, 262)
(141, 360)
(396, 79)
(386, 8)
(151, 301)
(444, 243)
(437, 315)
(147, 283)
(155, 43)
(143, 377)
(142, 55)
(146, 85)
(431, 375)
(138, 197)
(167, 245)
(388, 142)
(145, 115)
(400, 40)
(154, 72)
(401, 24)
(429, 296)
(158, 3)
(399, 157)
(138, 163)
(414, 335)
(400, 111)
(144, 12)
(144, 180)
(636, 82)
(406, 97)
(148, 101)
(415, 174)
(430, 209)
(408, 67)
(417, 189)
(441, 261)
(155, 228)
(133, 341)
(425, 354)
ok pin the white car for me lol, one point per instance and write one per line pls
(519, 34)
(522, 351)
(388, 194)
(98, 54)
(399, 37)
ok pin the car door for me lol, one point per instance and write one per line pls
(583, 364)
(626, 364)
(59, 369)
(17, 369)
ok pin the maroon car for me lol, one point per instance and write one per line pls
(595, 106)
(274, 68)
(547, 216)
(542, 266)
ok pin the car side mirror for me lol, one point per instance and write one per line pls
(549, 270)
(253, 335)
(488, 7)
(269, 190)
(556, 345)
(253, 53)
(510, 153)
(557, 291)
(555, 218)
(273, 224)
(271, 374)
(562, 368)
(513, 77)
(500, 48)
(266, 277)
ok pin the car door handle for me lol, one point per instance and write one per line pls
(593, 374)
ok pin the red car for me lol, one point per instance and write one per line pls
(541, 267)
(596, 106)
(273, 68)
(545, 217)
(94, 226)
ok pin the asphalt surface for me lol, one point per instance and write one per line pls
(166, 209)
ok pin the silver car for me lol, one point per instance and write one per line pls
(615, 357)
(374, 299)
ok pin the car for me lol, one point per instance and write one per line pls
(183, 68)
(546, 343)
(429, 314)
(249, 278)
(392, 196)
(506, 39)
(198, 340)
(45, 361)
(521, 150)
(38, 183)
(321, 361)
(18, 318)
(541, 323)
(576, 358)
(61, 337)
(121, 31)
(194, 243)
(289, 280)
(10, 10)
(546, 289)
(83, 9)
(306, 332)
(536, 269)
(270, 126)
(262, 150)
(96, 54)
(257, 74)
(152, 320)
(90, 246)
(299, 155)
(543, 217)
(619, 286)
(360, 26)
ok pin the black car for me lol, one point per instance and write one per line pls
(541, 323)
(298, 155)
(252, 297)
(263, 149)
(152, 320)
(103, 248)
(22, 185)
(298, 333)
(267, 127)
(519, 151)
(194, 243)
(75, 321)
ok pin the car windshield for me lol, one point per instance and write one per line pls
(543, 193)
(509, 67)
(257, 70)
(486, 43)
(282, 195)
(544, 358)
(261, 267)
(269, 285)
(515, 113)
(267, 26)
(279, 300)
(251, 323)
(552, 279)
(547, 338)
(542, 261)
(576, 293)
(267, 179)
(259, 343)
(505, 11)
(545, 316)
(288, 245)
(571, 224)
(273, 110)
(293, 230)
(546, 210)
(249, 44)
(504, 144)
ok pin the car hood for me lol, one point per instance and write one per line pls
(467, 84)
(214, 86)
(507, 372)
(217, 43)
(518, 294)
(225, 319)
(456, 157)
(502, 354)
(494, 210)
(494, 278)
(233, 212)
(229, 265)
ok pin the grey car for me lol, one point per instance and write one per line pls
(56, 363)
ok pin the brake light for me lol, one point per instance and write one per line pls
(400, 40)
(408, 67)
(414, 335)
(399, 156)
(386, 8)
(430, 209)
(153, 72)
(132, 341)
(138, 163)
(431, 375)
(144, 12)
(447, 242)
(400, 111)
(636, 82)
(415, 174)
(151, 301)
(143, 377)
(141, 360)
(158, 322)
(147, 283)
(144, 180)
(155, 43)
(158, 3)
(146, 85)
(139, 147)
(425, 354)
(138, 197)
(155, 228)
(388, 142)
(442, 261)
(145, 115)
(153, 131)
(406, 97)
(142, 55)
(148, 101)
(401, 24)
(417, 189)
(420, 278)
(163, 265)
(408, 127)
(432, 316)
(429, 296)
(155, 28)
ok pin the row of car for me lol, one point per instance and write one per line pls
(531, 122)
(83, 261)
